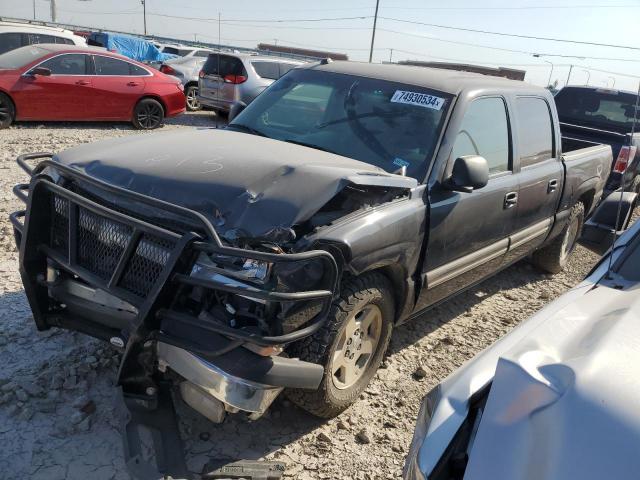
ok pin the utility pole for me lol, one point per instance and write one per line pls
(391, 55)
(373, 34)
(588, 75)
(34, 9)
(144, 14)
(53, 11)
(569, 75)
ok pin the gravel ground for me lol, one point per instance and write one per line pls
(58, 415)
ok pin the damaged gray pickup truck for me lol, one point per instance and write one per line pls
(280, 252)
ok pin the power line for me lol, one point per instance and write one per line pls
(243, 20)
(515, 35)
(469, 44)
(523, 7)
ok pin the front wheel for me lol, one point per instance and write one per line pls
(148, 114)
(554, 257)
(350, 345)
(7, 111)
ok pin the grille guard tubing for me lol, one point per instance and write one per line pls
(35, 238)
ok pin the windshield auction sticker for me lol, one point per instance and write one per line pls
(419, 99)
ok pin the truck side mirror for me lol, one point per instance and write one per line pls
(469, 172)
(45, 72)
(235, 110)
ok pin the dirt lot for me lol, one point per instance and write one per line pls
(57, 402)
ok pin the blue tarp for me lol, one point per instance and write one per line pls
(129, 46)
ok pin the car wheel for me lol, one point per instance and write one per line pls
(7, 111)
(191, 92)
(148, 114)
(554, 257)
(350, 345)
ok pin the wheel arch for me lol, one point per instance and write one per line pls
(155, 97)
(15, 107)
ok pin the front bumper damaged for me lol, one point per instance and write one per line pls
(104, 272)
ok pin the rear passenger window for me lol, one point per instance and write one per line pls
(64, 41)
(535, 142)
(268, 70)
(485, 132)
(10, 41)
(137, 71)
(110, 66)
(41, 38)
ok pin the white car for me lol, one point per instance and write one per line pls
(15, 35)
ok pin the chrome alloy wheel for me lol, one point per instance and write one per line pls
(150, 115)
(356, 346)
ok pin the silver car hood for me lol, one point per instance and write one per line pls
(565, 401)
(564, 398)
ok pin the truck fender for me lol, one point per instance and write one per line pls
(600, 230)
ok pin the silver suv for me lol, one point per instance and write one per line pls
(228, 78)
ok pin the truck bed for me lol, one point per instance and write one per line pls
(588, 165)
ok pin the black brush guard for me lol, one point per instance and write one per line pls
(142, 264)
(146, 266)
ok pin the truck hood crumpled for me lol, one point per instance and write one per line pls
(248, 186)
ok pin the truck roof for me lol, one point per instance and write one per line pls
(448, 81)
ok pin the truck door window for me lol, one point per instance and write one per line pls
(485, 132)
(535, 141)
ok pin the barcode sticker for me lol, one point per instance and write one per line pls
(419, 99)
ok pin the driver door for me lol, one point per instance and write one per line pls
(469, 232)
(66, 94)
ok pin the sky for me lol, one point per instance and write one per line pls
(247, 22)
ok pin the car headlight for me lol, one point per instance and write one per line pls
(238, 268)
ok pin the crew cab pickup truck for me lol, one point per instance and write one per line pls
(594, 116)
(281, 252)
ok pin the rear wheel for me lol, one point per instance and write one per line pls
(148, 114)
(554, 257)
(7, 111)
(350, 345)
(191, 92)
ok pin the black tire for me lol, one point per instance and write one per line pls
(191, 93)
(148, 114)
(7, 111)
(554, 257)
(372, 289)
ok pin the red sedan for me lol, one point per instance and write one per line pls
(66, 83)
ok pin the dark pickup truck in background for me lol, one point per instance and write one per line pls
(281, 251)
(594, 116)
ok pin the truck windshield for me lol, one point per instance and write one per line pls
(599, 108)
(386, 124)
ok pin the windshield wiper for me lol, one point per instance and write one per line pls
(247, 129)
(358, 117)
(310, 145)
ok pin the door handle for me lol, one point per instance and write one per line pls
(552, 186)
(510, 199)
(83, 82)
(133, 84)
